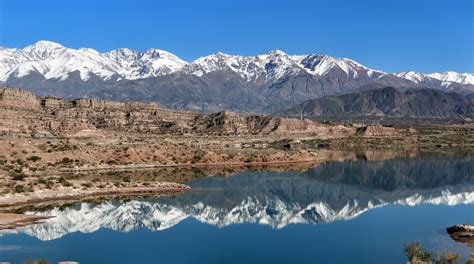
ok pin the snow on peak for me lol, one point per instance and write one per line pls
(122, 53)
(324, 64)
(160, 54)
(451, 76)
(54, 61)
(447, 78)
(272, 65)
(219, 61)
(277, 52)
(43, 49)
(45, 45)
(412, 76)
(136, 65)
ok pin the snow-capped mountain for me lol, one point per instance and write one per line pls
(449, 81)
(450, 76)
(323, 64)
(415, 77)
(54, 61)
(270, 66)
(151, 63)
(215, 82)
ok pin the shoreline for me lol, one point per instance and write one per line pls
(10, 220)
(71, 195)
(185, 165)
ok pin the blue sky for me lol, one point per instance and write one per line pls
(391, 35)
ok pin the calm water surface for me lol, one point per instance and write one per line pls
(340, 212)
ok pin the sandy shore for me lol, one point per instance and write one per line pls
(186, 165)
(64, 194)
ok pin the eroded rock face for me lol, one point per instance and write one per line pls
(23, 112)
(377, 130)
(18, 98)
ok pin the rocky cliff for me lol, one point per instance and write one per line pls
(23, 112)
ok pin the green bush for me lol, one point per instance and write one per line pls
(49, 184)
(19, 188)
(66, 160)
(415, 252)
(113, 162)
(64, 182)
(250, 159)
(447, 258)
(87, 185)
(19, 176)
(41, 180)
(34, 158)
(471, 259)
(126, 179)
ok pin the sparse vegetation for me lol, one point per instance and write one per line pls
(64, 182)
(86, 184)
(416, 254)
(19, 188)
(113, 162)
(34, 158)
(18, 176)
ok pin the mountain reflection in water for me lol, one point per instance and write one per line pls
(329, 192)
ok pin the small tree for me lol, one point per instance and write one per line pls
(471, 259)
(447, 258)
(415, 252)
(417, 255)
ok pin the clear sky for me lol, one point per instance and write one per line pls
(391, 35)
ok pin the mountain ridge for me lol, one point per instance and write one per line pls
(43, 49)
(387, 101)
(211, 83)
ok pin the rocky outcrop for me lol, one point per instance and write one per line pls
(19, 99)
(376, 130)
(462, 234)
(23, 112)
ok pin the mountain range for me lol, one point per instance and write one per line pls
(262, 83)
(387, 102)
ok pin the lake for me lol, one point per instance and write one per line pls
(356, 211)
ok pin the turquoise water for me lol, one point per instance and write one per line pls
(340, 212)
